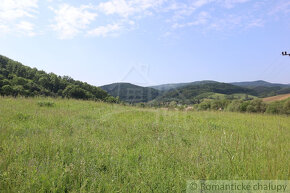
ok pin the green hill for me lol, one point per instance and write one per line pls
(192, 93)
(131, 93)
(265, 89)
(17, 79)
(259, 83)
(167, 87)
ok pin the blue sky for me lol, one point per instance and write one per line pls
(149, 42)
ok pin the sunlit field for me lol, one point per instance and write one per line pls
(58, 145)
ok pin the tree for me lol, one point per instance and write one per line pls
(111, 99)
(286, 107)
(73, 91)
(205, 105)
(7, 90)
(172, 104)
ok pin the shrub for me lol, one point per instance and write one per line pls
(234, 106)
(46, 104)
(251, 109)
(258, 105)
(275, 108)
(172, 104)
(286, 107)
(111, 99)
(205, 105)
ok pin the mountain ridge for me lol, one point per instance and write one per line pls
(18, 79)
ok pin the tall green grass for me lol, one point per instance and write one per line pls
(83, 146)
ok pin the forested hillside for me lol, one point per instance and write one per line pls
(253, 84)
(167, 87)
(192, 93)
(17, 79)
(265, 89)
(131, 93)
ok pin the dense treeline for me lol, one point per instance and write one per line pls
(17, 79)
(250, 106)
(241, 105)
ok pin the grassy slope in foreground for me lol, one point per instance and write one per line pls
(87, 146)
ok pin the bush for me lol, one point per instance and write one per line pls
(111, 99)
(219, 104)
(205, 105)
(172, 104)
(258, 105)
(45, 104)
(286, 107)
(234, 106)
(251, 109)
(275, 108)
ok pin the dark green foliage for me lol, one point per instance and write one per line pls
(111, 99)
(7, 90)
(213, 104)
(45, 104)
(73, 91)
(279, 107)
(250, 106)
(131, 93)
(253, 106)
(17, 79)
(286, 107)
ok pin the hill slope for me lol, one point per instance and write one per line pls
(265, 89)
(17, 79)
(258, 83)
(167, 87)
(188, 94)
(131, 93)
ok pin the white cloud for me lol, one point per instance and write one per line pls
(12, 13)
(70, 20)
(202, 19)
(26, 27)
(281, 7)
(256, 23)
(14, 9)
(103, 31)
(4, 29)
(125, 12)
(231, 3)
(120, 7)
(115, 16)
(214, 15)
(184, 10)
(126, 8)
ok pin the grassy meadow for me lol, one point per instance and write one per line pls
(86, 146)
